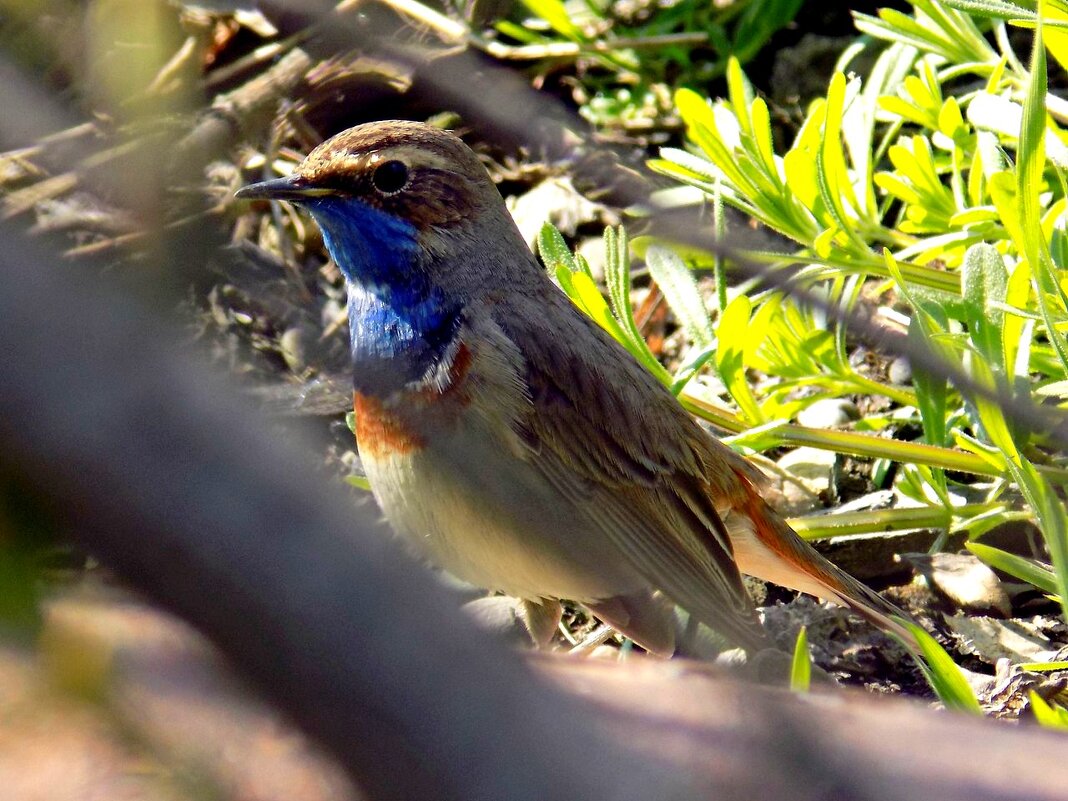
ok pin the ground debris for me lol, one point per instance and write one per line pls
(991, 640)
(1007, 694)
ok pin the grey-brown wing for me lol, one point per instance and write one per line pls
(609, 436)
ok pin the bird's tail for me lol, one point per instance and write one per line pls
(766, 547)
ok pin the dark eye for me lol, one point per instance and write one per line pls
(390, 177)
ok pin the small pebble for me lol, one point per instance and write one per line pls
(900, 371)
(828, 413)
(554, 200)
(291, 346)
(592, 249)
(965, 580)
(813, 469)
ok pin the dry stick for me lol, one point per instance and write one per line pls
(248, 109)
(261, 55)
(570, 50)
(181, 490)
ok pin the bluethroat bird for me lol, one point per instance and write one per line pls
(510, 439)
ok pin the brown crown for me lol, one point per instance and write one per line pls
(446, 181)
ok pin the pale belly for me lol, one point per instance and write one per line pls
(481, 513)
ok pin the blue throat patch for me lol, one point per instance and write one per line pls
(400, 324)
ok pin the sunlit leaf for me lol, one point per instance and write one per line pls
(731, 336)
(1049, 715)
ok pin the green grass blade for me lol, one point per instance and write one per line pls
(1031, 164)
(617, 280)
(1024, 569)
(942, 673)
(801, 666)
(881, 521)
(1048, 715)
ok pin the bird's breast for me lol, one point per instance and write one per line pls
(463, 500)
(405, 421)
(383, 432)
(454, 479)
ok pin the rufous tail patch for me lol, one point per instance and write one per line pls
(775, 535)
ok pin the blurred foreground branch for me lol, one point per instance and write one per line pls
(735, 741)
(173, 483)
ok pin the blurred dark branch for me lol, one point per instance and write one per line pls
(175, 485)
(733, 738)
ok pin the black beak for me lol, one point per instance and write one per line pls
(291, 187)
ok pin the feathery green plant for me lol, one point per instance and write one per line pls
(943, 174)
(938, 182)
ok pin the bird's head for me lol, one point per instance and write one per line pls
(401, 203)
